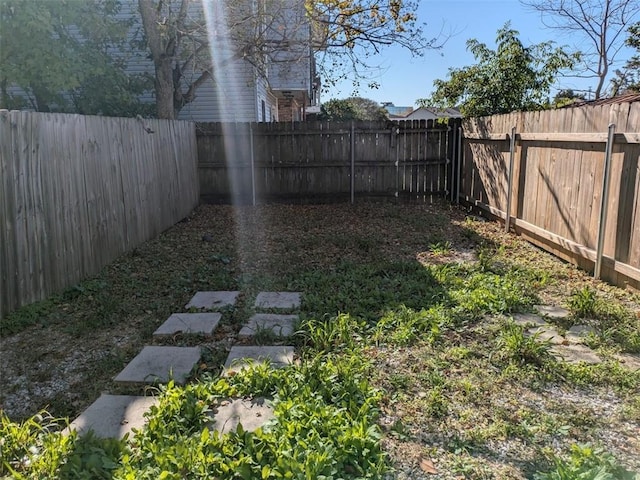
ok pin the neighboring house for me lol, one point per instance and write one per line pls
(281, 88)
(396, 112)
(430, 113)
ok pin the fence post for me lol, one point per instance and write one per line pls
(353, 162)
(604, 200)
(512, 154)
(460, 159)
(451, 132)
(253, 167)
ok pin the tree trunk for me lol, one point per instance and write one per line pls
(161, 61)
(164, 89)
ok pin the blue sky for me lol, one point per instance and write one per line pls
(404, 79)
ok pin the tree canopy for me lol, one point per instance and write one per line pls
(348, 33)
(70, 56)
(352, 108)
(566, 97)
(56, 56)
(512, 77)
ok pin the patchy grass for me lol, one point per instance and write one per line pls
(410, 366)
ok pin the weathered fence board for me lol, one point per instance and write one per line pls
(558, 181)
(78, 191)
(314, 160)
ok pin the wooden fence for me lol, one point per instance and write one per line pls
(557, 186)
(324, 161)
(78, 191)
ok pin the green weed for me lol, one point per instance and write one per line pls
(404, 326)
(34, 448)
(440, 248)
(513, 346)
(586, 463)
(342, 332)
(583, 302)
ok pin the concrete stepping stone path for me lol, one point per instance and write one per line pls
(546, 333)
(552, 311)
(578, 333)
(278, 300)
(213, 300)
(575, 353)
(528, 319)
(113, 416)
(250, 413)
(278, 325)
(629, 360)
(159, 365)
(116, 415)
(240, 356)
(189, 323)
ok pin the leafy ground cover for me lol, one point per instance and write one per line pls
(409, 364)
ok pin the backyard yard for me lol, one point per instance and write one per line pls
(409, 363)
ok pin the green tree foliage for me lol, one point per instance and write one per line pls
(353, 108)
(567, 97)
(512, 77)
(628, 78)
(57, 56)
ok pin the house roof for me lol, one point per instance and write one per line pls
(625, 98)
(433, 112)
(397, 111)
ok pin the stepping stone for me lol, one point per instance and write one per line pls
(552, 312)
(278, 325)
(525, 319)
(575, 353)
(546, 334)
(113, 416)
(213, 300)
(189, 323)
(279, 300)
(160, 364)
(240, 356)
(630, 361)
(250, 413)
(578, 333)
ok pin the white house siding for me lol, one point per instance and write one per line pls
(230, 97)
(271, 102)
(290, 69)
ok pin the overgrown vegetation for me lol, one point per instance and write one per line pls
(406, 367)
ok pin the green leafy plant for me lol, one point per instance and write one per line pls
(515, 347)
(35, 448)
(586, 462)
(325, 426)
(440, 248)
(332, 334)
(583, 303)
(404, 325)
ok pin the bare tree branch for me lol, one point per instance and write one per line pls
(601, 23)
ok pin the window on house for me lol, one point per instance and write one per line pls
(264, 110)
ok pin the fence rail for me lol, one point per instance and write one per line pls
(263, 161)
(559, 196)
(78, 191)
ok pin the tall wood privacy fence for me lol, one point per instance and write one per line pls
(548, 171)
(321, 160)
(77, 191)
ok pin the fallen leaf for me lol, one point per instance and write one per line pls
(427, 466)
